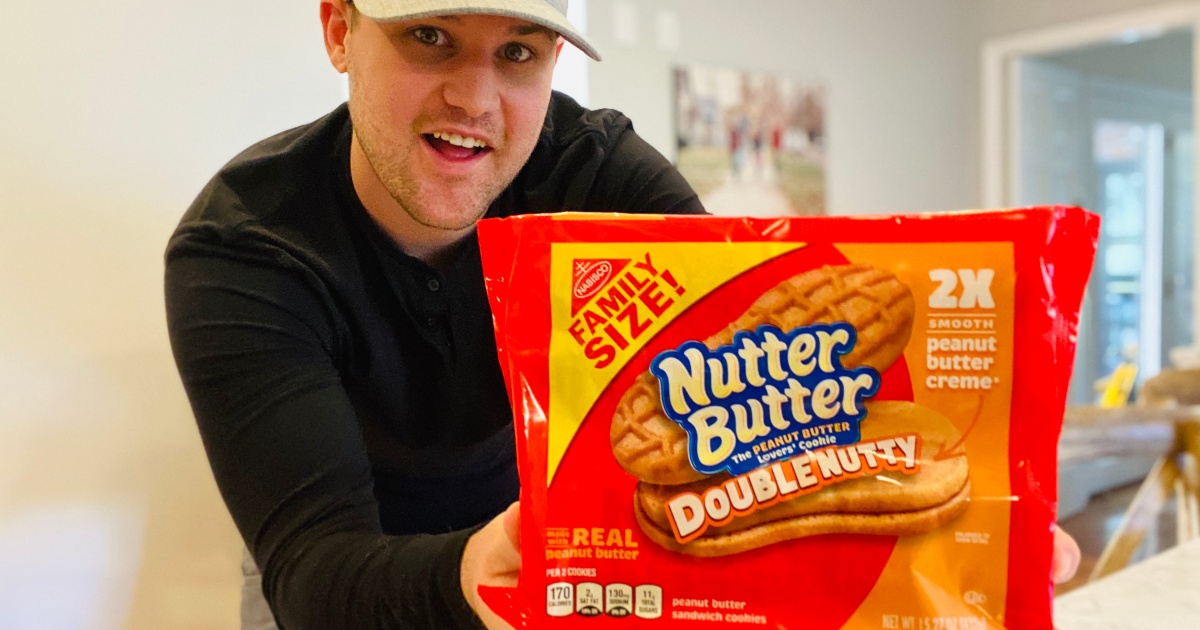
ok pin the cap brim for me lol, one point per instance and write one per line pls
(534, 11)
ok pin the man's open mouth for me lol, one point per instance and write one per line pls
(456, 147)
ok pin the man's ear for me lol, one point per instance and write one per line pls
(335, 24)
(558, 49)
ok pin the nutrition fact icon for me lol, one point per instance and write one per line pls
(649, 602)
(618, 600)
(560, 599)
(589, 599)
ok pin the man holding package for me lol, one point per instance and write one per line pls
(328, 315)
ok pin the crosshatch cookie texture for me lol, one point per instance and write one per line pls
(653, 448)
(834, 491)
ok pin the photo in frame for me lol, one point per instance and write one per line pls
(751, 143)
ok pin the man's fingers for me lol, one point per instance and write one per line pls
(1066, 557)
(512, 525)
(506, 547)
(492, 558)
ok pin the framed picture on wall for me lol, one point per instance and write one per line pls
(750, 143)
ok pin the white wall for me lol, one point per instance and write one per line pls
(1007, 17)
(112, 116)
(902, 109)
(903, 79)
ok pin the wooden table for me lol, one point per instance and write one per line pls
(1091, 432)
(1162, 593)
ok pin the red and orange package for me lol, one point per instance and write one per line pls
(812, 423)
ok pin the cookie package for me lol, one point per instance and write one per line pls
(812, 422)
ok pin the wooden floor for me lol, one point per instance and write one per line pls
(1093, 526)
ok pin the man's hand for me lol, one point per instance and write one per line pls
(492, 558)
(1066, 557)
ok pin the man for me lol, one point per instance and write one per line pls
(328, 316)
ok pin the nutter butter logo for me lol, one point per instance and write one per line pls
(615, 302)
(767, 396)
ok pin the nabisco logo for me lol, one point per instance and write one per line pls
(590, 277)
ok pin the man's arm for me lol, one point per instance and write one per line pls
(255, 348)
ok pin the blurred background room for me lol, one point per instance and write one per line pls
(114, 114)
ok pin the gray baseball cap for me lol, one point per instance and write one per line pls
(549, 13)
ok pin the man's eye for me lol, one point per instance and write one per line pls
(517, 53)
(429, 36)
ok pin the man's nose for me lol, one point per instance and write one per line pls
(474, 87)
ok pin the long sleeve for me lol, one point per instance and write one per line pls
(346, 393)
(255, 347)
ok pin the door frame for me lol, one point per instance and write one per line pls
(1000, 95)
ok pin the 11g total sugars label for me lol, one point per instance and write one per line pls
(591, 599)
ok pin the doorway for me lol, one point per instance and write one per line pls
(1109, 127)
(1102, 115)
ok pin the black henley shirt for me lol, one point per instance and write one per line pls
(349, 396)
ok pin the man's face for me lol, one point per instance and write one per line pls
(447, 110)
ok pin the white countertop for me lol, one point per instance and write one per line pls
(1161, 593)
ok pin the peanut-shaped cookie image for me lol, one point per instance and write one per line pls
(917, 449)
(653, 448)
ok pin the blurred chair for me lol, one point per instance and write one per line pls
(1171, 397)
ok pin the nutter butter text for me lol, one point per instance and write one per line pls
(767, 383)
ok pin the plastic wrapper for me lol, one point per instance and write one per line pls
(812, 423)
